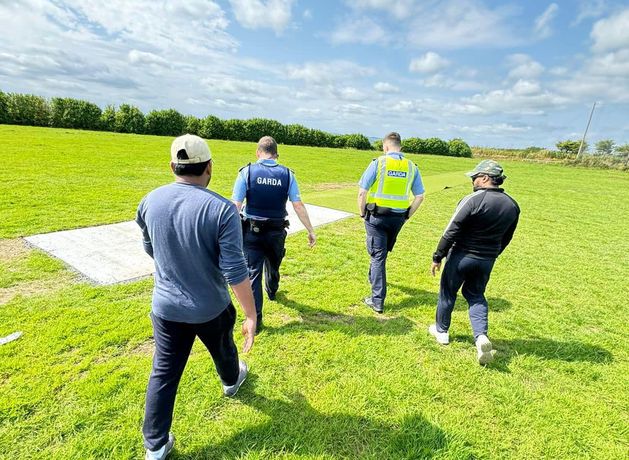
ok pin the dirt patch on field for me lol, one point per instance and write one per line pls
(36, 287)
(12, 249)
(332, 186)
(143, 349)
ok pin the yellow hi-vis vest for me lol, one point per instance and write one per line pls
(392, 188)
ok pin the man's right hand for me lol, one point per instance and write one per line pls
(312, 239)
(248, 332)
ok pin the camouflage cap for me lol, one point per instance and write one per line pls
(489, 167)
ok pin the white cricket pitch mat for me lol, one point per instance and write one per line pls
(110, 254)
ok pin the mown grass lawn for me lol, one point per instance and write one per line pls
(329, 379)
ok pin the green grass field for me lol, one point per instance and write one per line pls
(329, 379)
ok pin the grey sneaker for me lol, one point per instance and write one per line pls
(483, 345)
(442, 337)
(369, 302)
(231, 390)
(162, 453)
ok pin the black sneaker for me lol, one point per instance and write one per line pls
(271, 295)
(369, 302)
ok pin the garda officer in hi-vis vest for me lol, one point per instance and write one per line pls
(384, 201)
(265, 186)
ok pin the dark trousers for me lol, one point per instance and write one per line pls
(173, 342)
(473, 275)
(382, 233)
(264, 252)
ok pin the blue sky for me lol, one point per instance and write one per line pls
(504, 74)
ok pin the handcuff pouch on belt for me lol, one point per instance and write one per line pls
(260, 226)
(375, 210)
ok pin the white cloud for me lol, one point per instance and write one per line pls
(611, 33)
(319, 73)
(356, 109)
(543, 21)
(525, 97)
(456, 84)
(399, 9)
(257, 14)
(349, 93)
(590, 9)
(141, 57)
(523, 67)
(461, 24)
(383, 87)
(494, 129)
(359, 30)
(559, 71)
(430, 62)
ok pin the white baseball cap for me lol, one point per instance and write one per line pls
(189, 149)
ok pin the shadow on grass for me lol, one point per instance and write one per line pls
(548, 349)
(422, 297)
(319, 320)
(295, 427)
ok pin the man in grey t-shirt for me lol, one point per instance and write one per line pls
(195, 238)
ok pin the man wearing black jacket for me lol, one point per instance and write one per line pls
(480, 229)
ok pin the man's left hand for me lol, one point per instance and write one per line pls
(435, 267)
(312, 239)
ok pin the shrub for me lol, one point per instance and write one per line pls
(165, 123)
(413, 145)
(605, 147)
(212, 128)
(255, 128)
(108, 119)
(193, 125)
(459, 148)
(435, 146)
(297, 135)
(571, 147)
(377, 145)
(357, 141)
(27, 109)
(129, 119)
(235, 130)
(74, 113)
(4, 113)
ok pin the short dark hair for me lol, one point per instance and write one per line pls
(194, 169)
(393, 138)
(497, 180)
(268, 145)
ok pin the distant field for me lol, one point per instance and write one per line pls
(329, 379)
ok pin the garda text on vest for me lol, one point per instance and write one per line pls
(269, 181)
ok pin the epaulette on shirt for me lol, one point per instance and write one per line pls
(245, 166)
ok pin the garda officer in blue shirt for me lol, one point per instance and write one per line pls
(384, 194)
(265, 186)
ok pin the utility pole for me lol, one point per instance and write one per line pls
(586, 131)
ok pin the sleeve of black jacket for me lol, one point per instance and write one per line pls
(454, 228)
(506, 238)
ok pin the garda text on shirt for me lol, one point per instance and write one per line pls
(269, 181)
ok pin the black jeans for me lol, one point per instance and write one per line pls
(264, 251)
(382, 233)
(173, 342)
(473, 274)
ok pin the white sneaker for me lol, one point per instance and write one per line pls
(162, 453)
(483, 345)
(442, 337)
(231, 390)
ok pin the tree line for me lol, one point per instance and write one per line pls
(58, 112)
